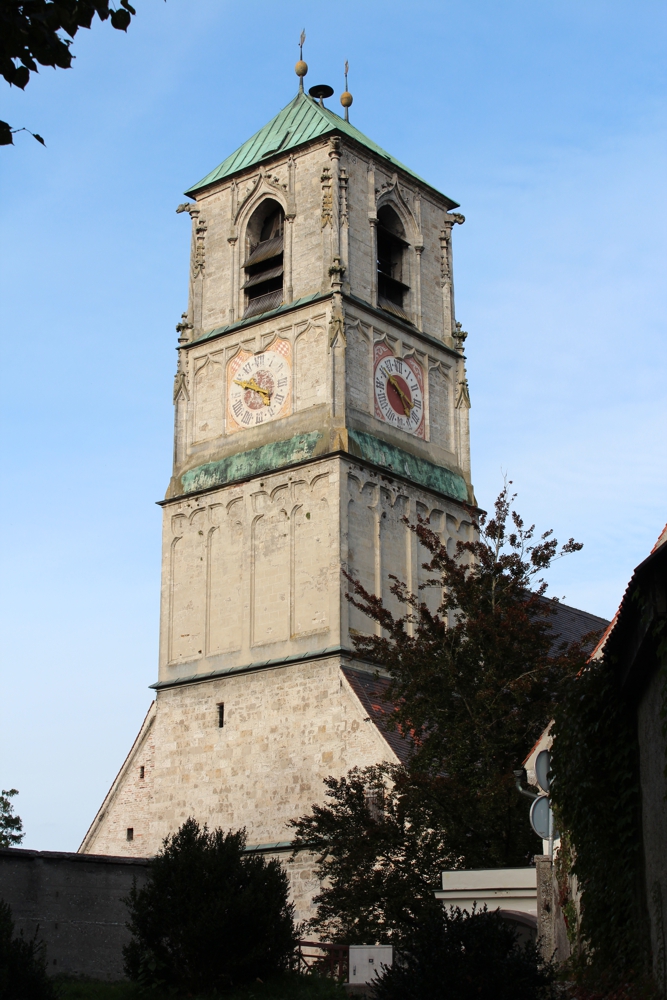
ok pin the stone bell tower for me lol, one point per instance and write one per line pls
(320, 398)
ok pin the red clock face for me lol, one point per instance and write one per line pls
(399, 391)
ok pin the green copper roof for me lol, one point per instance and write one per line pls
(302, 120)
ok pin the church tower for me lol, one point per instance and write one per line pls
(320, 398)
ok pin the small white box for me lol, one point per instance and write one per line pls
(367, 959)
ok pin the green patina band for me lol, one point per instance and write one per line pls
(251, 463)
(302, 447)
(417, 470)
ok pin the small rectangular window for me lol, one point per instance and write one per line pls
(142, 771)
(130, 833)
(221, 715)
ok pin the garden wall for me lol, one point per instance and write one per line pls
(76, 902)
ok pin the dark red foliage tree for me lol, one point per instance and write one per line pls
(472, 686)
(31, 33)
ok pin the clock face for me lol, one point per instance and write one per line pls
(399, 391)
(259, 386)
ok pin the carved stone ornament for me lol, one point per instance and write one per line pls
(343, 182)
(327, 198)
(336, 272)
(337, 320)
(182, 329)
(390, 192)
(263, 178)
(463, 397)
(336, 325)
(199, 258)
(445, 237)
(181, 385)
(451, 219)
(459, 336)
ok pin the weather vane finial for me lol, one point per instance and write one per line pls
(346, 96)
(301, 67)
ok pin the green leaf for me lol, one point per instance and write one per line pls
(6, 137)
(39, 138)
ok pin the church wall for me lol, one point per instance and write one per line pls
(310, 232)
(359, 274)
(308, 236)
(251, 572)
(285, 730)
(432, 216)
(439, 372)
(226, 210)
(376, 542)
(209, 431)
(422, 216)
(215, 213)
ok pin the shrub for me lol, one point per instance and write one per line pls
(461, 956)
(22, 963)
(210, 916)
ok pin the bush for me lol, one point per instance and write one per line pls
(461, 956)
(22, 963)
(210, 917)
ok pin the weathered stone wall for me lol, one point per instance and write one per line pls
(207, 433)
(205, 430)
(441, 372)
(227, 209)
(551, 928)
(285, 729)
(302, 182)
(252, 571)
(263, 515)
(76, 903)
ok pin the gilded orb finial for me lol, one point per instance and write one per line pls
(301, 67)
(346, 97)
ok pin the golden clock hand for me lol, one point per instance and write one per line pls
(264, 393)
(407, 403)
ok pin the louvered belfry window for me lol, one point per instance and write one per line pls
(263, 265)
(392, 263)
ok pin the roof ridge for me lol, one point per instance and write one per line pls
(571, 607)
(300, 121)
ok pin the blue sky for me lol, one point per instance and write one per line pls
(545, 120)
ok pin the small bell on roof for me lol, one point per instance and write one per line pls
(346, 97)
(301, 67)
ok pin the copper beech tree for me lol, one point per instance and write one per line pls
(471, 686)
(34, 33)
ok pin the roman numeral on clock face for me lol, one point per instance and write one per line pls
(258, 389)
(398, 394)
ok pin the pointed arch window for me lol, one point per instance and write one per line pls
(263, 264)
(392, 269)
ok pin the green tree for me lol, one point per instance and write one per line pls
(472, 685)
(22, 963)
(31, 34)
(210, 916)
(11, 826)
(460, 956)
(378, 845)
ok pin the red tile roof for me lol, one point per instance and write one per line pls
(569, 624)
